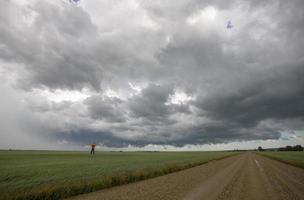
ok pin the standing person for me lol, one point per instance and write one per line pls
(93, 148)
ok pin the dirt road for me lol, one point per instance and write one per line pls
(246, 176)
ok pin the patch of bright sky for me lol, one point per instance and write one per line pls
(59, 95)
(168, 39)
(112, 94)
(116, 12)
(147, 22)
(208, 14)
(179, 98)
(135, 87)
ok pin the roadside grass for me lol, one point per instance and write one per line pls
(55, 175)
(295, 158)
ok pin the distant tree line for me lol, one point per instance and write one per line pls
(291, 148)
(287, 148)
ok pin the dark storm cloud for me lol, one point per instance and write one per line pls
(107, 109)
(53, 49)
(63, 48)
(107, 139)
(275, 93)
(151, 103)
(88, 137)
(177, 77)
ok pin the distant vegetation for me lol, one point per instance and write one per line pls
(56, 175)
(287, 148)
(295, 158)
(291, 148)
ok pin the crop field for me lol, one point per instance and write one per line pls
(54, 174)
(295, 158)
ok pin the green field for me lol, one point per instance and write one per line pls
(53, 174)
(295, 158)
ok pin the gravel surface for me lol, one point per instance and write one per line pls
(245, 176)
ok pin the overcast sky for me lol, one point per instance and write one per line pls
(143, 74)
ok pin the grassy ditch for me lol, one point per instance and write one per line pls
(294, 158)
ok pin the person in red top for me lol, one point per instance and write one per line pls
(93, 148)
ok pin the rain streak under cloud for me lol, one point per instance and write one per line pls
(151, 74)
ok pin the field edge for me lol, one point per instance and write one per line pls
(289, 162)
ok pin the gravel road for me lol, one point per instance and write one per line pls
(245, 176)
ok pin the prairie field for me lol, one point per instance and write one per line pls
(58, 174)
(295, 158)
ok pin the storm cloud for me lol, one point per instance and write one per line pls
(151, 72)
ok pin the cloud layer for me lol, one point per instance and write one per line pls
(140, 72)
